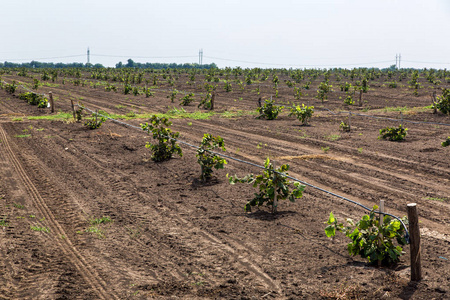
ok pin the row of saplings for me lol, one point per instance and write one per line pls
(371, 238)
(269, 110)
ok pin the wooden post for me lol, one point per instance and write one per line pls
(433, 102)
(73, 110)
(52, 103)
(259, 102)
(349, 121)
(213, 96)
(401, 119)
(380, 225)
(275, 200)
(360, 98)
(414, 245)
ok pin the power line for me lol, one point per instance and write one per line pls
(292, 65)
(43, 58)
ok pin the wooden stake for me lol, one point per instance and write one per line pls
(52, 103)
(433, 102)
(73, 110)
(349, 121)
(360, 98)
(213, 96)
(414, 245)
(380, 225)
(275, 200)
(259, 102)
(401, 119)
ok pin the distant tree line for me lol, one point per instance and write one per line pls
(130, 64)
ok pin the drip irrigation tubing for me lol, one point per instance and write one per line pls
(264, 168)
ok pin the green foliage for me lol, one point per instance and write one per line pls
(227, 87)
(393, 134)
(127, 89)
(95, 121)
(370, 239)
(302, 113)
(10, 88)
(392, 85)
(173, 95)
(323, 90)
(349, 100)
(446, 142)
(345, 87)
(79, 112)
(443, 102)
(36, 84)
(187, 99)
(269, 110)
(34, 99)
(269, 182)
(166, 145)
(297, 93)
(344, 126)
(208, 160)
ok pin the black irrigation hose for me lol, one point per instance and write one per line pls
(262, 167)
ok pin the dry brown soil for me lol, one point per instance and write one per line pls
(174, 237)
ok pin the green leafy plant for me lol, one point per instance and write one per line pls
(269, 182)
(173, 95)
(34, 99)
(446, 142)
(344, 126)
(79, 112)
(349, 100)
(10, 88)
(393, 134)
(166, 145)
(187, 99)
(302, 113)
(371, 239)
(269, 110)
(443, 102)
(206, 158)
(323, 90)
(95, 121)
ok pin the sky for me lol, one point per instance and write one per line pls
(246, 33)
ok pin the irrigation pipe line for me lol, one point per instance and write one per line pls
(264, 168)
(27, 89)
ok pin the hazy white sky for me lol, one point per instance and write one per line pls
(248, 33)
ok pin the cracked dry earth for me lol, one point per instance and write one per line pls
(172, 237)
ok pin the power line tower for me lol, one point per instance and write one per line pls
(200, 57)
(396, 60)
(399, 60)
(88, 56)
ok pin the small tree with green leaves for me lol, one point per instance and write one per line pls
(446, 142)
(269, 182)
(393, 133)
(269, 110)
(443, 102)
(173, 95)
(206, 158)
(10, 88)
(302, 113)
(371, 239)
(166, 144)
(187, 99)
(96, 120)
(323, 90)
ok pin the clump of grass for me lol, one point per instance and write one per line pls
(17, 205)
(436, 199)
(333, 137)
(39, 228)
(22, 135)
(325, 149)
(4, 222)
(95, 226)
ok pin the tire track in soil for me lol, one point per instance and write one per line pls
(203, 240)
(87, 272)
(241, 139)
